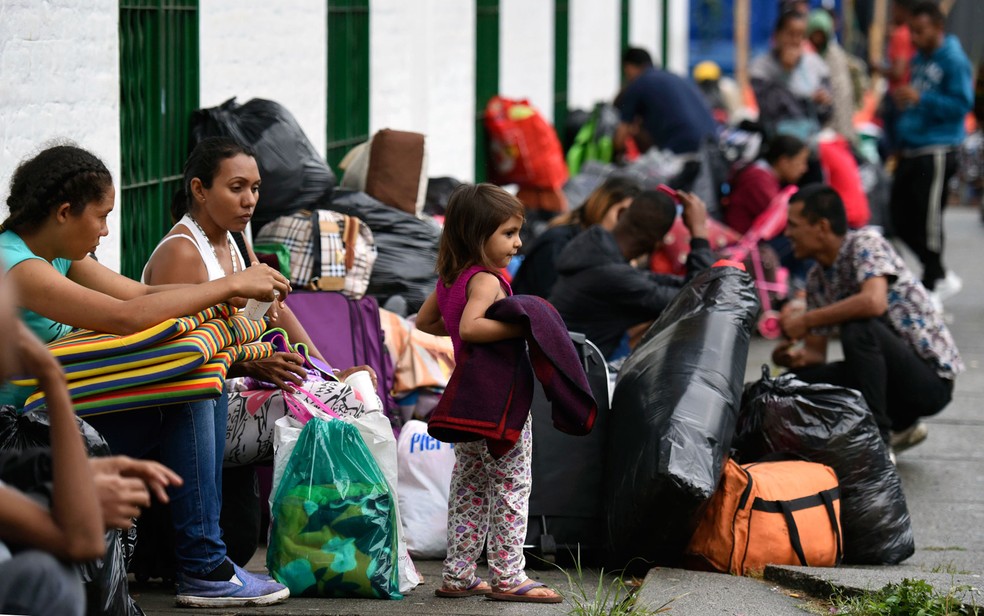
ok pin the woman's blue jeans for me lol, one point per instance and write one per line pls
(191, 437)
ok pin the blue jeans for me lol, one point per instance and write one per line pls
(191, 437)
(34, 582)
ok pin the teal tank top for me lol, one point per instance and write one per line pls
(14, 251)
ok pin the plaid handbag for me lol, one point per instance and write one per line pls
(337, 258)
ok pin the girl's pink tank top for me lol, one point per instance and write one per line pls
(451, 300)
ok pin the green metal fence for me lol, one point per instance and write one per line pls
(486, 75)
(158, 93)
(348, 77)
(561, 55)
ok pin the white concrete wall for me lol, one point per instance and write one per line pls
(594, 73)
(645, 17)
(273, 50)
(422, 77)
(679, 34)
(59, 79)
(646, 31)
(526, 53)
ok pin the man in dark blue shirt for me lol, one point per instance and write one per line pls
(671, 109)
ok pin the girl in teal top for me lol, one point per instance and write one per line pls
(59, 202)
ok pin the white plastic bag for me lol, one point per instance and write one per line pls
(286, 431)
(425, 466)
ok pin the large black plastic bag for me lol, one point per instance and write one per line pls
(106, 587)
(406, 248)
(295, 176)
(832, 425)
(673, 415)
(20, 431)
(438, 194)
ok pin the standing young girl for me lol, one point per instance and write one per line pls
(489, 497)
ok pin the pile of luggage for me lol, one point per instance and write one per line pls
(685, 466)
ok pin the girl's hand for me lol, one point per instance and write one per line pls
(283, 370)
(344, 374)
(260, 282)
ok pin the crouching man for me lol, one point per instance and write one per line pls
(897, 351)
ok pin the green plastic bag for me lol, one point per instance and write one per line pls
(334, 524)
(593, 141)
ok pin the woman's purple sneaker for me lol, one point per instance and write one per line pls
(242, 590)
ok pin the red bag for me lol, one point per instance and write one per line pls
(523, 148)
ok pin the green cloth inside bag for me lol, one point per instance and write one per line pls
(334, 524)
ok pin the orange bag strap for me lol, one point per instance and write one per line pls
(786, 508)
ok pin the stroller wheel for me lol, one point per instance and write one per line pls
(768, 325)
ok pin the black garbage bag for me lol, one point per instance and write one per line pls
(21, 431)
(295, 176)
(673, 415)
(438, 194)
(106, 587)
(406, 248)
(832, 425)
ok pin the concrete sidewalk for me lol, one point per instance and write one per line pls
(943, 480)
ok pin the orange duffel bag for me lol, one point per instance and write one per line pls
(783, 513)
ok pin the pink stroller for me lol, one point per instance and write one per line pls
(768, 225)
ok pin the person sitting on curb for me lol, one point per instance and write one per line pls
(897, 350)
(59, 202)
(601, 295)
(87, 496)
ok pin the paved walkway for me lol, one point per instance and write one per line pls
(943, 480)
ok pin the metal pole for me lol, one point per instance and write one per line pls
(742, 14)
(665, 51)
(876, 36)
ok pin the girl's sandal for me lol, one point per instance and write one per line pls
(520, 594)
(474, 589)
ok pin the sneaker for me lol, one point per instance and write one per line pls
(892, 458)
(948, 286)
(910, 437)
(242, 590)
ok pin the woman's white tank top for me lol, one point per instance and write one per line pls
(212, 265)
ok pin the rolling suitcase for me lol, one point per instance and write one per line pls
(348, 333)
(566, 515)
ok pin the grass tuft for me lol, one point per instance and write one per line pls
(616, 596)
(906, 598)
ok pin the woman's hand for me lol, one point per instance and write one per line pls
(344, 374)
(260, 282)
(283, 370)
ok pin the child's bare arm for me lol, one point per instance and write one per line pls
(483, 291)
(74, 527)
(429, 318)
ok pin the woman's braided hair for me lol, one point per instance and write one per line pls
(59, 174)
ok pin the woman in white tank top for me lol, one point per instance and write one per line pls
(221, 188)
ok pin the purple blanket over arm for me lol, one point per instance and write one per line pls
(491, 390)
